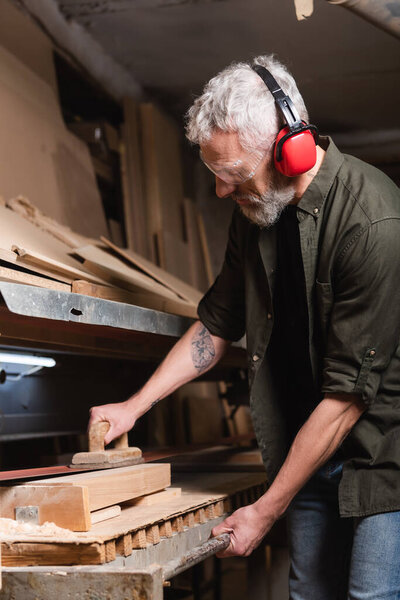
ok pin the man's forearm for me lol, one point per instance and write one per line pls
(315, 443)
(195, 353)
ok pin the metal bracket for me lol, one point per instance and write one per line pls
(27, 514)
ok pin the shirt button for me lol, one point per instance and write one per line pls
(269, 316)
(256, 357)
(316, 211)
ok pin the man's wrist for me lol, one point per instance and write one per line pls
(271, 505)
(139, 404)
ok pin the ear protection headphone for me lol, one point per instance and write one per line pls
(295, 149)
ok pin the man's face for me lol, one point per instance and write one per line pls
(263, 195)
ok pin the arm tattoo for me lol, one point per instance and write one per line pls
(155, 402)
(203, 351)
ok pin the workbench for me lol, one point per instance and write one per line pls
(132, 555)
(120, 562)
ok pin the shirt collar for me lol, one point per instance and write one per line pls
(314, 196)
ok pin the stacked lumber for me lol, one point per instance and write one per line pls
(75, 502)
(204, 498)
(52, 239)
(161, 224)
(37, 250)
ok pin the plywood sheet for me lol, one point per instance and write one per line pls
(174, 255)
(120, 274)
(135, 207)
(196, 256)
(40, 158)
(14, 276)
(162, 171)
(24, 207)
(185, 291)
(17, 232)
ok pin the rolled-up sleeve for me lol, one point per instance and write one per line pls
(365, 319)
(222, 309)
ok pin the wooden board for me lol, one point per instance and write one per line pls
(34, 259)
(156, 498)
(173, 255)
(65, 505)
(97, 516)
(14, 276)
(118, 273)
(162, 172)
(205, 497)
(113, 486)
(135, 209)
(185, 291)
(29, 211)
(41, 159)
(205, 248)
(145, 300)
(36, 245)
(196, 255)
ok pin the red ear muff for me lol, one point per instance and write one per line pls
(295, 153)
(295, 150)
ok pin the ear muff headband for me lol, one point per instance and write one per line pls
(283, 102)
(295, 146)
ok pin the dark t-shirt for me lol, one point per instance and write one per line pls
(289, 346)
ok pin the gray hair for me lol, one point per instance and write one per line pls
(237, 100)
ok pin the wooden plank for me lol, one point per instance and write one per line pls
(153, 535)
(34, 259)
(143, 299)
(134, 199)
(113, 486)
(124, 545)
(31, 554)
(198, 271)
(177, 524)
(166, 529)
(173, 254)
(139, 539)
(185, 291)
(157, 498)
(30, 212)
(162, 165)
(42, 159)
(110, 551)
(104, 514)
(206, 251)
(118, 273)
(38, 246)
(14, 276)
(65, 505)
(17, 261)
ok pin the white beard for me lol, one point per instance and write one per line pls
(265, 209)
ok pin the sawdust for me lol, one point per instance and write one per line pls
(9, 528)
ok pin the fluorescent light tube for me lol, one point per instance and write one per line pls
(26, 359)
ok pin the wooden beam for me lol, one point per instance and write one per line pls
(65, 505)
(113, 486)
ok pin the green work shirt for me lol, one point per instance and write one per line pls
(349, 226)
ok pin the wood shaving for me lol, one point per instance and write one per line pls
(9, 528)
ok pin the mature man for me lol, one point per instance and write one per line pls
(312, 276)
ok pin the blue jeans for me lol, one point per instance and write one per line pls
(335, 558)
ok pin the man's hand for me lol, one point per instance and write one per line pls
(120, 416)
(247, 527)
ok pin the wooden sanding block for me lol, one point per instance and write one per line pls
(99, 458)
